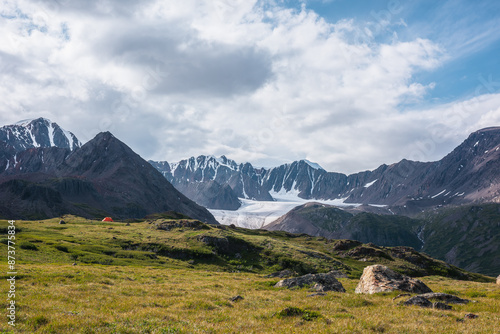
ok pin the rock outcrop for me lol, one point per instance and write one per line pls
(444, 297)
(418, 301)
(319, 282)
(378, 278)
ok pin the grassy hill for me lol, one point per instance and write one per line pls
(177, 276)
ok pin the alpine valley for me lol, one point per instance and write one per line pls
(449, 209)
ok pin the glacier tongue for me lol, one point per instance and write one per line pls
(258, 214)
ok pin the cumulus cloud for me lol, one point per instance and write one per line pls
(253, 80)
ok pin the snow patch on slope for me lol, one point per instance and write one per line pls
(370, 183)
(442, 192)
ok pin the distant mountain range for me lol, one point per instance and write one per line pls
(45, 173)
(469, 174)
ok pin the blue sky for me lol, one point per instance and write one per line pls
(453, 24)
(347, 84)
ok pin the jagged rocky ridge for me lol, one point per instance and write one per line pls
(468, 174)
(103, 177)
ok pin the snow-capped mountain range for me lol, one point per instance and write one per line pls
(39, 132)
(468, 174)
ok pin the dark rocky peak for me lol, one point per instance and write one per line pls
(311, 164)
(104, 174)
(103, 154)
(223, 160)
(477, 145)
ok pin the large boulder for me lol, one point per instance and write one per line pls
(319, 282)
(378, 278)
(498, 280)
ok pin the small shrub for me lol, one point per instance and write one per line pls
(28, 245)
(292, 311)
(62, 248)
(311, 315)
(38, 321)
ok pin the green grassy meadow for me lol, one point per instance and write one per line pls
(163, 277)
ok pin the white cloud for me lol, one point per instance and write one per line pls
(254, 81)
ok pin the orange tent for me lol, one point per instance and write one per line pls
(107, 219)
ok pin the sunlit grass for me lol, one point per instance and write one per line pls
(157, 294)
(108, 299)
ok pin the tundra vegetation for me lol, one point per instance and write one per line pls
(181, 276)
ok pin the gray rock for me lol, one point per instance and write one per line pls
(282, 274)
(236, 298)
(441, 306)
(319, 282)
(471, 316)
(378, 278)
(168, 225)
(62, 222)
(418, 301)
(338, 274)
(444, 297)
(424, 300)
(401, 295)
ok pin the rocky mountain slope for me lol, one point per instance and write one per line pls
(103, 177)
(334, 223)
(467, 236)
(468, 174)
